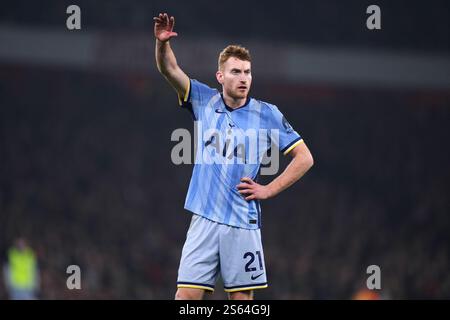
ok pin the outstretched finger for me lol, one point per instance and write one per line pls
(161, 19)
(171, 23)
(166, 18)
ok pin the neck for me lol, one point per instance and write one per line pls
(234, 102)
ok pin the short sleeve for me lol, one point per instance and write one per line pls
(197, 96)
(287, 137)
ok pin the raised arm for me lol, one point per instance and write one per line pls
(165, 58)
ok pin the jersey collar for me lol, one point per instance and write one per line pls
(234, 109)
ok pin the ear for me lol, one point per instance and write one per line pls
(219, 76)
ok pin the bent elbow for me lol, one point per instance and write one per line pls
(310, 160)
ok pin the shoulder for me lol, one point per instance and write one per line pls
(200, 93)
(202, 86)
(266, 107)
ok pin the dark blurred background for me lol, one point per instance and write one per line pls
(85, 123)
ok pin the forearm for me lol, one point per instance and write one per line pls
(165, 58)
(298, 166)
(167, 65)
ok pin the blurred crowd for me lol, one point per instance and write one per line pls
(405, 24)
(87, 179)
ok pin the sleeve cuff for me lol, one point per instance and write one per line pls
(187, 95)
(291, 146)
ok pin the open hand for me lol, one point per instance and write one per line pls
(164, 27)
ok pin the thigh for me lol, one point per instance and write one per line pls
(199, 264)
(242, 259)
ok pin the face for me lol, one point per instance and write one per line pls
(235, 77)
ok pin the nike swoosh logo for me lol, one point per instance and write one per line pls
(256, 277)
(218, 111)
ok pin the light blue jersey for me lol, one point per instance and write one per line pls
(231, 145)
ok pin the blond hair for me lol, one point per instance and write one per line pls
(236, 51)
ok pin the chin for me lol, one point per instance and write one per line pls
(240, 95)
